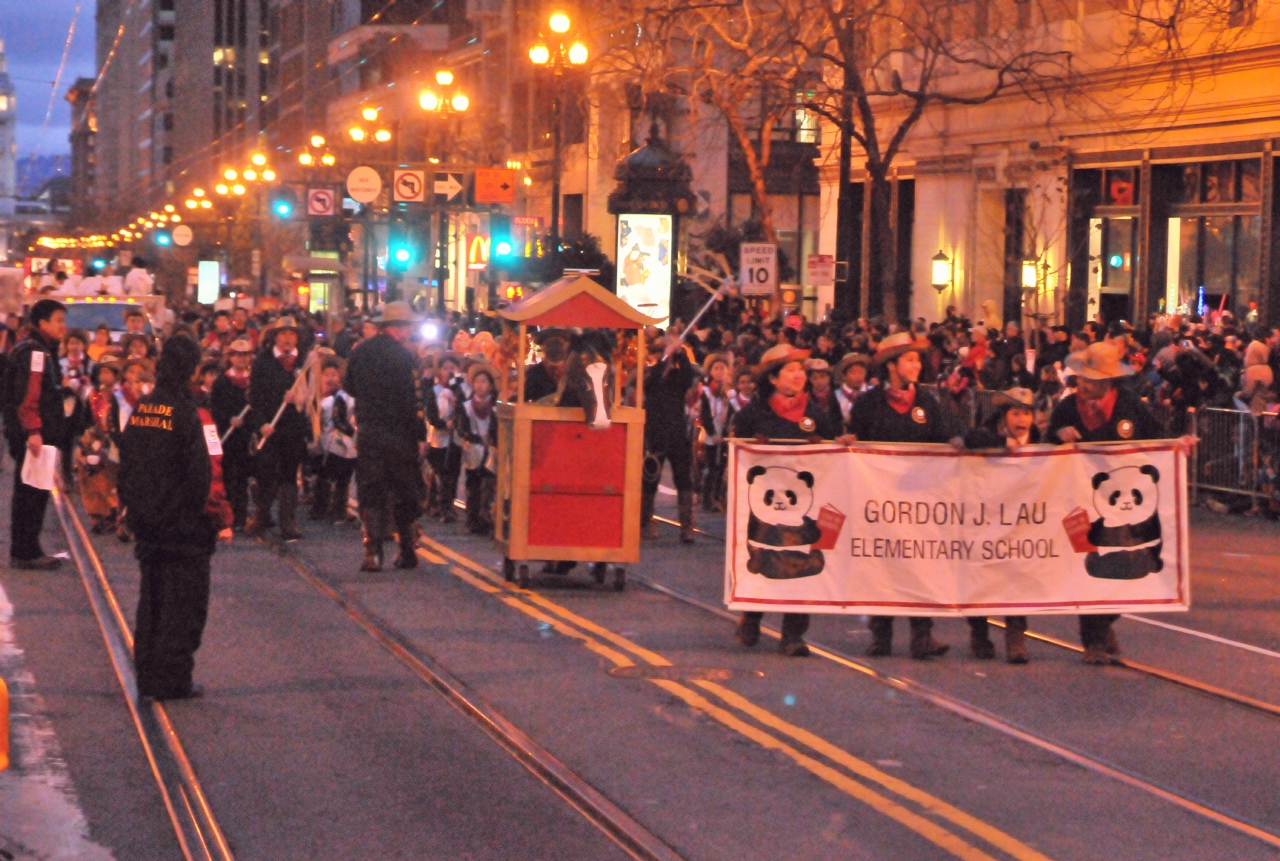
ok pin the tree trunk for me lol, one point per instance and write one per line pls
(848, 239)
(880, 264)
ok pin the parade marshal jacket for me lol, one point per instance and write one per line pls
(26, 410)
(873, 420)
(166, 474)
(1130, 420)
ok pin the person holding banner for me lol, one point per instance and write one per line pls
(899, 411)
(1101, 410)
(782, 410)
(1011, 427)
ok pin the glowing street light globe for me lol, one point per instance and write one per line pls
(444, 77)
(305, 159)
(317, 140)
(578, 53)
(229, 173)
(461, 102)
(197, 192)
(357, 134)
(250, 174)
(369, 114)
(259, 159)
(428, 101)
(237, 189)
(559, 22)
(540, 54)
(382, 135)
(269, 175)
(328, 159)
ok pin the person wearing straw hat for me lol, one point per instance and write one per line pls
(477, 428)
(227, 401)
(284, 445)
(382, 377)
(1011, 426)
(899, 411)
(714, 414)
(1100, 410)
(851, 373)
(782, 410)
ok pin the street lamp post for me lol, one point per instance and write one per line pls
(558, 52)
(445, 101)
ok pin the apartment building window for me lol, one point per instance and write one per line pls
(167, 155)
(165, 32)
(1241, 12)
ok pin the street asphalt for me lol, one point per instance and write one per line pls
(313, 741)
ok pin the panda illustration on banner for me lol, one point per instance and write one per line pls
(780, 532)
(1126, 535)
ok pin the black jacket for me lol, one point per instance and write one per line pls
(538, 383)
(269, 383)
(758, 417)
(383, 379)
(873, 420)
(165, 474)
(1141, 424)
(665, 387)
(54, 427)
(226, 401)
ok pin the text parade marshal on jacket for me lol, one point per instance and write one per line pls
(152, 416)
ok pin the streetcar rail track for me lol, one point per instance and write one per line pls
(632, 837)
(989, 719)
(196, 828)
(1204, 688)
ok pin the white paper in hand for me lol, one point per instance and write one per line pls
(38, 472)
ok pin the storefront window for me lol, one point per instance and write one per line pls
(1213, 263)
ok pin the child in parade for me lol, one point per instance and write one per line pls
(337, 446)
(477, 428)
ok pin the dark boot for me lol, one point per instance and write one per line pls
(260, 520)
(685, 501)
(1015, 639)
(1094, 630)
(373, 529)
(980, 645)
(319, 509)
(408, 537)
(794, 626)
(923, 645)
(648, 529)
(881, 628)
(289, 511)
(748, 632)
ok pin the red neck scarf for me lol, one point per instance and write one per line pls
(1095, 414)
(289, 360)
(239, 380)
(791, 409)
(482, 406)
(901, 400)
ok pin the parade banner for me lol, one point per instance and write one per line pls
(925, 530)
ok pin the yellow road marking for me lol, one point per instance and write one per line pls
(521, 599)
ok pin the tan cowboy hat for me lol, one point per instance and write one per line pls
(1015, 397)
(712, 359)
(821, 366)
(1100, 361)
(848, 360)
(899, 344)
(483, 368)
(285, 322)
(395, 314)
(240, 345)
(777, 356)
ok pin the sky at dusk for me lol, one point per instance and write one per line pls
(34, 34)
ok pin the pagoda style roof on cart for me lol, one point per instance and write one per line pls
(577, 301)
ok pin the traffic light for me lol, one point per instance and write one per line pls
(502, 248)
(400, 253)
(283, 203)
(162, 237)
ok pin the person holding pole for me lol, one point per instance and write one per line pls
(282, 429)
(228, 401)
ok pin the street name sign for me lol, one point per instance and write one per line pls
(182, 235)
(364, 184)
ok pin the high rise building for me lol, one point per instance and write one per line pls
(8, 140)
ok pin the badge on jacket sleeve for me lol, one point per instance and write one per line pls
(37, 361)
(918, 415)
(807, 425)
(1125, 429)
(212, 441)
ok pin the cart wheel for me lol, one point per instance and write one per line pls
(600, 571)
(508, 569)
(619, 579)
(522, 577)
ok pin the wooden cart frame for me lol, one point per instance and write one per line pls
(567, 493)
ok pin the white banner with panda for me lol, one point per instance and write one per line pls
(924, 530)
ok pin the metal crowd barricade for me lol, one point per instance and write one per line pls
(1238, 452)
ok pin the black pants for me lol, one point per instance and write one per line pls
(481, 489)
(714, 460)
(387, 475)
(794, 625)
(236, 470)
(1094, 629)
(446, 463)
(173, 605)
(676, 450)
(26, 512)
(277, 464)
(333, 485)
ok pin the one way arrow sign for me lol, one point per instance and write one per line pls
(449, 187)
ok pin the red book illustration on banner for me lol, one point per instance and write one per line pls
(1077, 526)
(830, 521)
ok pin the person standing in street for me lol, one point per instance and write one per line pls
(285, 445)
(381, 377)
(899, 411)
(666, 437)
(227, 400)
(138, 282)
(33, 418)
(1101, 410)
(169, 489)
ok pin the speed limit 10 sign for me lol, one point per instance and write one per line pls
(758, 268)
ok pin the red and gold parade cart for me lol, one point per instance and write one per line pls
(569, 482)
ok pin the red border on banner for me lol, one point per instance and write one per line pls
(947, 451)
